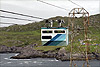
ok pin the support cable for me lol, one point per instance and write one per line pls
(20, 14)
(6, 23)
(52, 4)
(75, 3)
(16, 18)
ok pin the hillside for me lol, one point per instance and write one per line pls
(20, 35)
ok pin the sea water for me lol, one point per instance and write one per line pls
(5, 61)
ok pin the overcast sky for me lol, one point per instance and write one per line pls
(38, 9)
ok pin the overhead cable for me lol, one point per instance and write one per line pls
(20, 14)
(15, 18)
(52, 4)
(6, 23)
(75, 3)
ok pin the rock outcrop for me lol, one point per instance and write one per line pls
(13, 49)
(28, 52)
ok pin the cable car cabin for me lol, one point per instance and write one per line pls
(54, 36)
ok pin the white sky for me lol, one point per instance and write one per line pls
(36, 8)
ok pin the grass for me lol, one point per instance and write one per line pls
(22, 35)
(47, 48)
(77, 48)
(19, 38)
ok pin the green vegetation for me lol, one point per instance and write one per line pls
(19, 38)
(22, 35)
(46, 48)
(80, 48)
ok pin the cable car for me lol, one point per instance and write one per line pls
(54, 36)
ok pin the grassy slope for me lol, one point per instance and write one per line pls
(19, 38)
(21, 35)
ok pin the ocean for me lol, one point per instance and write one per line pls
(5, 61)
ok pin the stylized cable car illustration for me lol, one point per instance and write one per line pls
(54, 36)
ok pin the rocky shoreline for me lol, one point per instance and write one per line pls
(29, 52)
